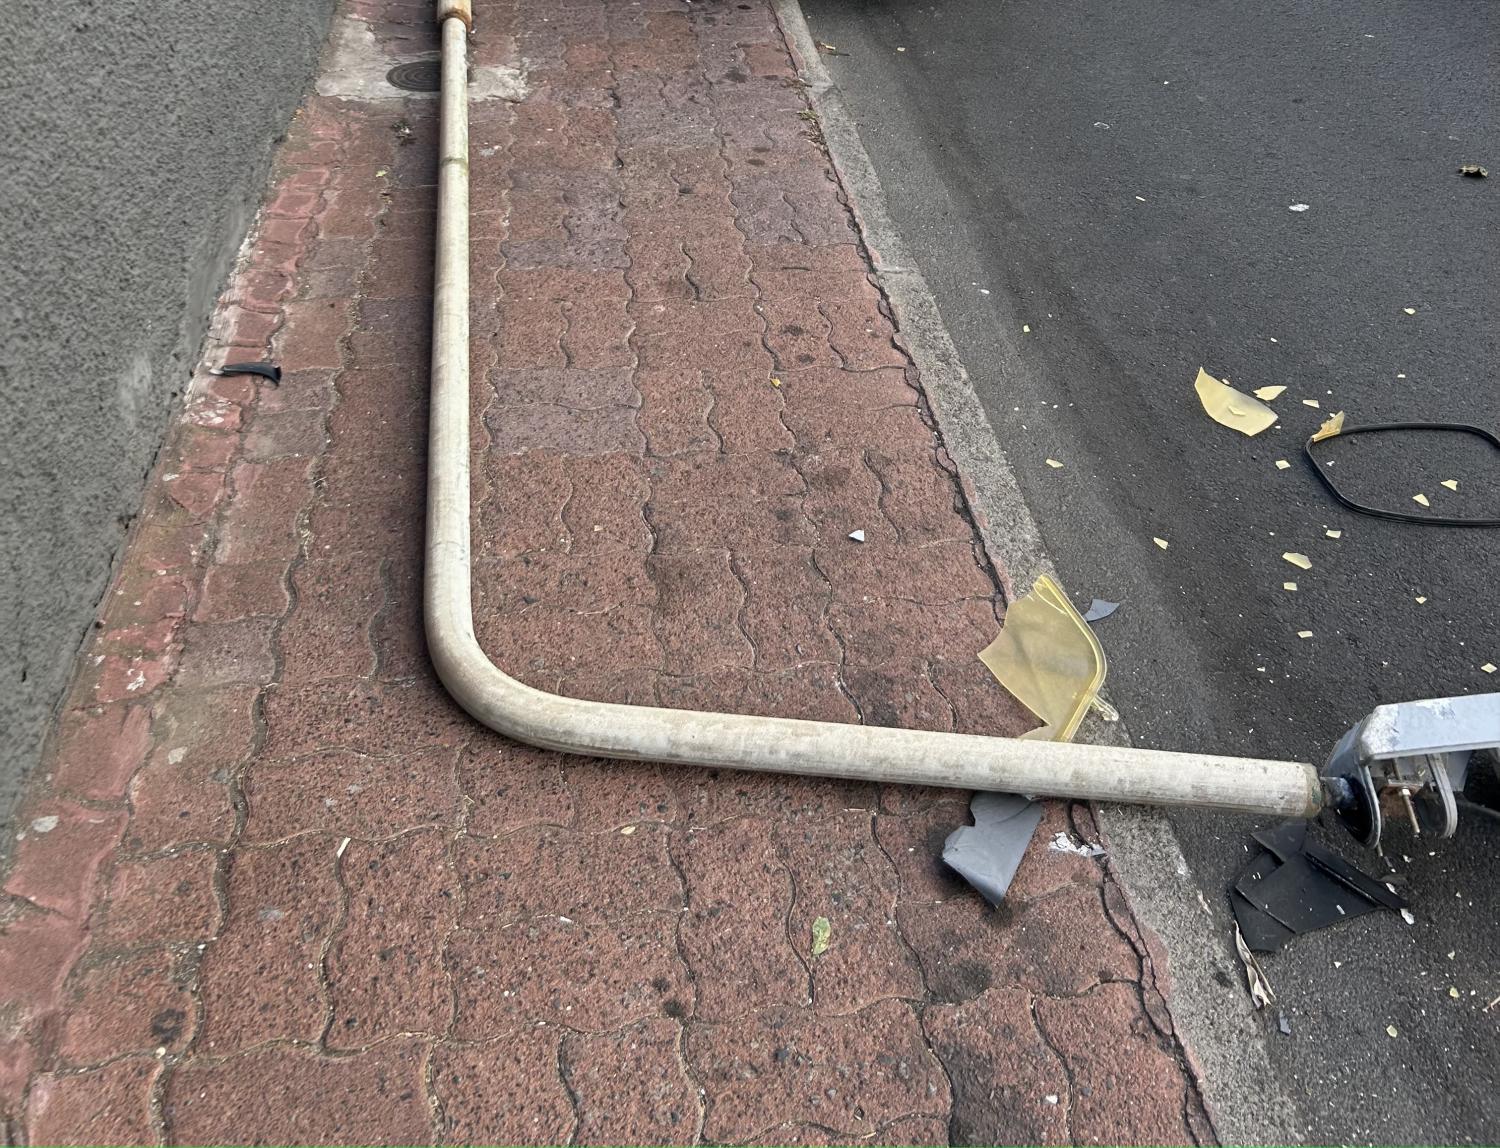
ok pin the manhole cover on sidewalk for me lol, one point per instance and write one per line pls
(417, 76)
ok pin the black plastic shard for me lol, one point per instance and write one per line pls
(1297, 886)
(265, 370)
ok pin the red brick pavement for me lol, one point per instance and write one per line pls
(273, 886)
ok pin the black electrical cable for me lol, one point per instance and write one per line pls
(1398, 515)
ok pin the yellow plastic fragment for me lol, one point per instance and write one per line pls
(1301, 561)
(1289, 585)
(1420, 500)
(1160, 542)
(1333, 425)
(1230, 408)
(1334, 533)
(1450, 483)
(1282, 464)
(1488, 667)
(1311, 403)
(1390, 1031)
(1304, 633)
(1409, 310)
(1054, 464)
(1420, 599)
(1047, 657)
(1268, 393)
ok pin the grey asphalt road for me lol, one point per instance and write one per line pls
(1098, 195)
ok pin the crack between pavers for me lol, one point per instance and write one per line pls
(721, 448)
(739, 614)
(828, 337)
(838, 638)
(561, 1062)
(335, 932)
(885, 493)
(1062, 1061)
(810, 1000)
(932, 681)
(700, 1093)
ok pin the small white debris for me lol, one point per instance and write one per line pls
(1299, 207)
(857, 535)
(1062, 843)
(175, 756)
(626, 830)
(1406, 916)
(45, 824)
(344, 844)
(1050, 1098)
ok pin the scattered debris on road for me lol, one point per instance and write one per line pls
(1340, 430)
(857, 535)
(1229, 407)
(1297, 886)
(1298, 207)
(1255, 978)
(1047, 657)
(1473, 170)
(1333, 425)
(1161, 543)
(988, 853)
(1301, 561)
(1062, 843)
(1269, 393)
(1099, 609)
(265, 370)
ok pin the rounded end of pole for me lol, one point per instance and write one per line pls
(459, 9)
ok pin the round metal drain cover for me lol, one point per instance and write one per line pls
(417, 76)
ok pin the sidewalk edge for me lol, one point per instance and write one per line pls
(1225, 1049)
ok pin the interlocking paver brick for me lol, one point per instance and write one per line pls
(377, 1097)
(360, 795)
(1129, 1092)
(98, 749)
(850, 1073)
(844, 878)
(1009, 1087)
(591, 975)
(629, 1086)
(108, 1105)
(521, 1067)
(132, 1004)
(385, 966)
(739, 898)
(261, 976)
(60, 848)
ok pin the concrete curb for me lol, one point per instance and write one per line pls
(1225, 1048)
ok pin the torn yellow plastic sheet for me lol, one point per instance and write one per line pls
(1268, 393)
(1421, 500)
(1450, 483)
(1333, 425)
(1230, 408)
(1047, 657)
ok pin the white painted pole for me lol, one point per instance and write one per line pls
(735, 741)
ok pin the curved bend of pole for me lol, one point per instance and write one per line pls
(734, 741)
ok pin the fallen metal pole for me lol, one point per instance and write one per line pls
(735, 741)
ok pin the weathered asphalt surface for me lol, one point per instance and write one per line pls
(989, 133)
